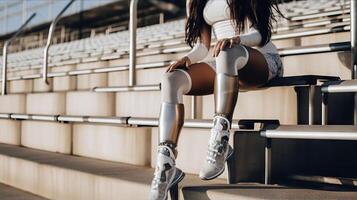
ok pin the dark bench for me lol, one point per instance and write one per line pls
(307, 132)
(341, 86)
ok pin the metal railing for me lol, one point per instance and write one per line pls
(317, 15)
(153, 87)
(132, 29)
(354, 37)
(354, 49)
(49, 41)
(4, 55)
(320, 132)
(341, 87)
(333, 47)
(122, 121)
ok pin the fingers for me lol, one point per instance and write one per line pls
(172, 67)
(216, 47)
(231, 42)
(187, 62)
(221, 44)
(176, 64)
(237, 40)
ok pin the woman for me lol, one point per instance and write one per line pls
(238, 26)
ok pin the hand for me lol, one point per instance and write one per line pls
(185, 61)
(223, 43)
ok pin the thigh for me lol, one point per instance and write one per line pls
(256, 72)
(202, 77)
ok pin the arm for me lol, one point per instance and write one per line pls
(200, 50)
(206, 36)
(252, 38)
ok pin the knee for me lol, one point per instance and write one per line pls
(174, 85)
(236, 51)
(234, 58)
(168, 81)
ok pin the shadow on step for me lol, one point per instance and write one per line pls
(260, 191)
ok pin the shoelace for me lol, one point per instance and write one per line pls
(214, 150)
(215, 147)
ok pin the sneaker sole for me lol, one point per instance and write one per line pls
(178, 179)
(175, 181)
(220, 172)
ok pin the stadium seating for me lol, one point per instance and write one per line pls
(88, 133)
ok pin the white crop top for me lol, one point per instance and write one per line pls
(217, 14)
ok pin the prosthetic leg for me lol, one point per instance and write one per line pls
(226, 90)
(167, 176)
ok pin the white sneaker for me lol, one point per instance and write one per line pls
(166, 174)
(218, 150)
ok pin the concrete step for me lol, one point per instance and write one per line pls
(88, 81)
(92, 65)
(65, 83)
(20, 86)
(323, 38)
(10, 193)
(147, 59)
(143, 77)
(268, 192)
(21, 71)
(10, 131)
(272, 103)
(57, 176)
(330, 64)
(90, 103)
(131, 104)
(130, 145)
(313, 40)
(13, 103)
(40, 86)
(53, 103)
(48, 136)
(37, 85)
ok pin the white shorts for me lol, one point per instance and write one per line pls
(275, 64)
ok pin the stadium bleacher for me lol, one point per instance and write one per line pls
(89, 135)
